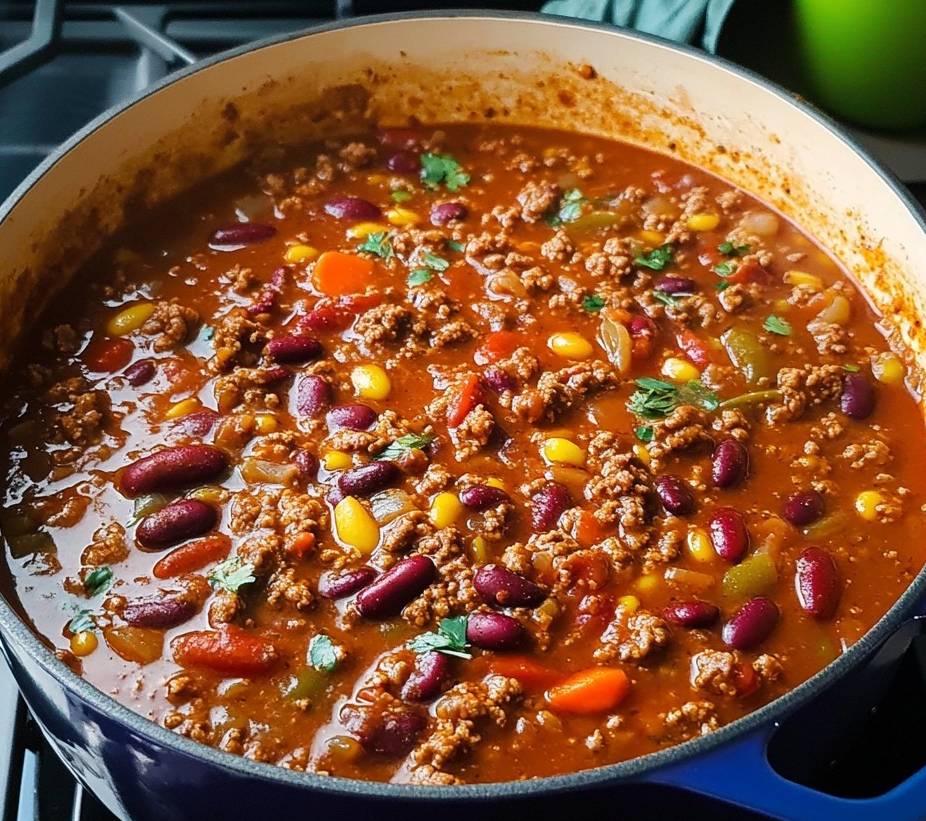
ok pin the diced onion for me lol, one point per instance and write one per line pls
(615, 339)
(760, 223)
(661, 207)
(689, 578)
(255, 471)
(505, 284)
(390, 504)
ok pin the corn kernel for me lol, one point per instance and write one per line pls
(300, 253)
(703, 222)
(83, 643)
(653, 237)
(811, 281)
(494, 481)
(402, 216)
(481, 551)
(129, 319)
(363, 229)
(699, 545)
(355, 526)
(266, 423)
(647, 583)
(445, 509)
(337, 460)
(679, 370)
(371, 381)
(570, 345)
(888, 368)
(641, 453)
(563, 452)
(183, 408)
(866, 504)
(631, 603)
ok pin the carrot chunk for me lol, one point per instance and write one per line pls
(337, 274)
(469, 396)
(231, 651)
(193, 556)
(534, 677)
(591, 691)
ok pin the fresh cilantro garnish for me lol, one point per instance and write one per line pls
(378, 244)
(644, 433)
(731, 250)
(453, 245)
(657, 398)
(323, 654)
(425, 273)
(98, 580)
(231, 575)
(442, 168)
(669, 300)
(400, 195)
(724, 269)
(82, 622)
(402, 445)
(419, 276)
(593, 304)
(776, 325)
(722, 285)
(450, 638)
(570, 208)
(434, 262)
(851, 368)
(656, 258)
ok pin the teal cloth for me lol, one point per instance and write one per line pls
(686, 21)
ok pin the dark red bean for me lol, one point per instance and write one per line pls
(366, 480)
(676, 285)
(173, 468)
(395, 588)
(858, 396)
(499, 380)
(816, 581)
(729, 463)
(324, 318)
(494, 631)
(404, 162)
(547, 505)
(482, 497)
(176, 522)
(160, 613)
(138, 373)
(307, 462)
(352, 208)
(641, 326)
(312, 394)
(751, 624)
(499, 585)
(332, 586)
(675, 495)
(352, 417)
(447, 212)
(198, 423)
(243, 233)
(692, 613)
(729, 534)
(431, 673)
(335, 496)
(394, 733)
(294, 349)
(803, 508)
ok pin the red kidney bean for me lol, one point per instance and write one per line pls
(352, 417)
(138, 373)
(198, 423)
(729, 534)
(160, 613)
(331, 586)
(494, 631)
(307, 462)
(640, 325)
(676, 285)
(243, 233)
(482, 497)
(324, 318)
(294, 349)
(729, 463)
(547, 505)
(432, 671)
(675, 495)
(393, 733)
(816, 581)
(446, 212)
(176, 522)
(173, 468)
(268, 376)
(858, 396)
(692, 613)
(751, 624)
(368, 479)
(334, 496)
(803, 507)
(499, 380)
(395, 588)
(352, 208)
(312, 395)
(499, 585)
(404, 162)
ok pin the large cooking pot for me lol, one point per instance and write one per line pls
(449, 67)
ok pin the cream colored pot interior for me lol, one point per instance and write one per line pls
(441, 69)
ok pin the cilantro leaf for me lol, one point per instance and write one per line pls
(695, 393)
(657, 398)
(776, 325)
(98, 580)
(731, 250)
(453, 245)
(644, 433)
(434, 262)
(571, 206)
(419, 276)
(431, 262)
(656, 258)
(450, 639)
(401, 446)
(593, 304)
(724, 269)
(722, 285)
(323, 653)
(82, 622)
(400, 195)
(231, 575)
(442, 168)
(851, 368)
(378, 244)
(669, 300)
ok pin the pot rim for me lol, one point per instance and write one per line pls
(15, 629)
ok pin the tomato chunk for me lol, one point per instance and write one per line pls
(497, 345)
(105, 355)
(231, 651)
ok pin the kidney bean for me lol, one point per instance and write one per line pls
(446, 212)
(307, 462)
(729, 463)
(138, 373)
(231, 651)
(331, 586)
(494, 631)
(499, 585)
(394, 733)
(352, 208)
(816, 581)
(858, 396)
(324, 318)
(403, 162)
(499, 380)
(751, 624)
(675, 495)
(160, 613)
(352, 417)
(676, 285)
(173, 468)
(391, 591)
(482, 497)
(176, 522)
(547, 505)
(312, 394)
(729, 534)
(803, 508)
(294, 348)
(432, 670)
(367, 479)
(242, 233)
(692, 613)
(198, 423)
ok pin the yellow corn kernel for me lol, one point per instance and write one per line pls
(300, 253)
(445, 509)
(355, 526)
(570, 345)
(266, 423)
(866, 504)
(494, 481)
(563, 452)
(129, 319)
(888, 368)
(631, 603)
(402, 216)
(653, 237)
(183, 408)
(647, 583)
(699, 545)
(641, 453)
(363, 229)
(337, 460)
(481, 551)
(679, 370)
(703, 222)
(83, 643)
(371, 381)
(781, 306)
(811, 281)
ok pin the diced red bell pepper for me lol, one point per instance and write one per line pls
(469, 396)
(643, 332)
(497, 345)
(230, 651)
(106, 355)
(193, 556)
(745, 679)
(695, 348)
